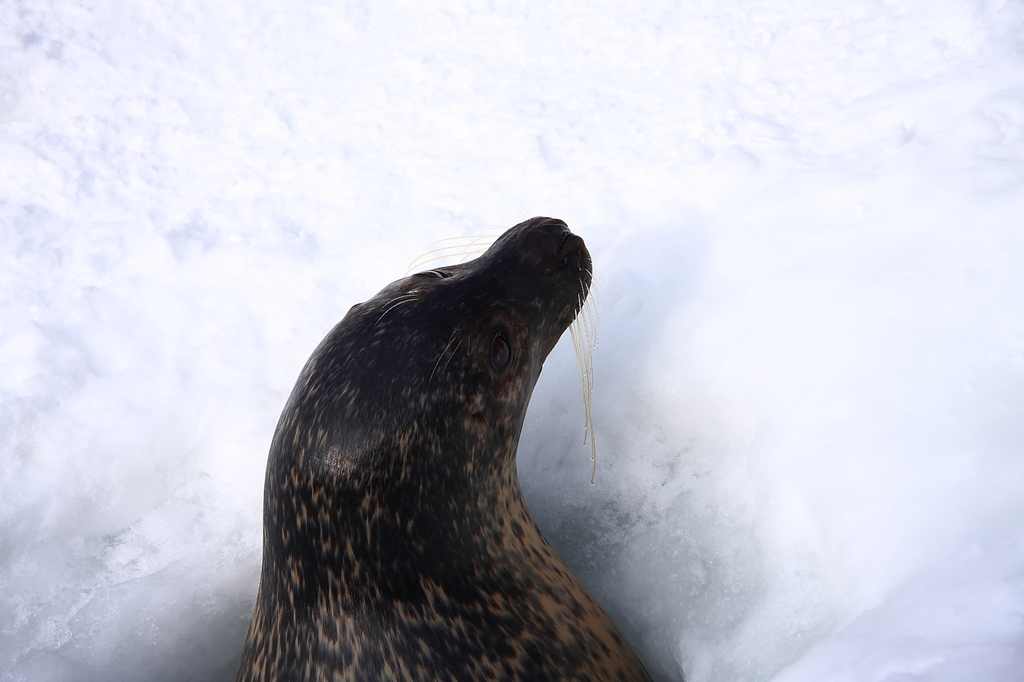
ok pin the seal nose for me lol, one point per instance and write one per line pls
(565, 238)
(558, 229)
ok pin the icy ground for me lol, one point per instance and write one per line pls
(808, 223)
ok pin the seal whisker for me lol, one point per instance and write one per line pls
(472, 245)
(420, 262)
(583, 332)
(394, 303)
(454, 351)
(447, 346)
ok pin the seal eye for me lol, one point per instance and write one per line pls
(501, 352)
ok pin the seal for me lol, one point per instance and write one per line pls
(396, 541)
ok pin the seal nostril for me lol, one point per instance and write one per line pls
(569, 251)
(561, 244)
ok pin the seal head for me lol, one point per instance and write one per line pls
(396, 541)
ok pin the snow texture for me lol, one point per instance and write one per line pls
(807, 220)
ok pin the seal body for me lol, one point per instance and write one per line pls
(396, 541)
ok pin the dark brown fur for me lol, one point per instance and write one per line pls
(397, 544)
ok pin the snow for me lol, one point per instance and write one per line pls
(806, 220)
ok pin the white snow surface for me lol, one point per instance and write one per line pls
(807, 220)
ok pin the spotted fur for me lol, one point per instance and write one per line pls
(397, 543)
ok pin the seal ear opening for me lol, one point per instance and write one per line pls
(500, 353)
